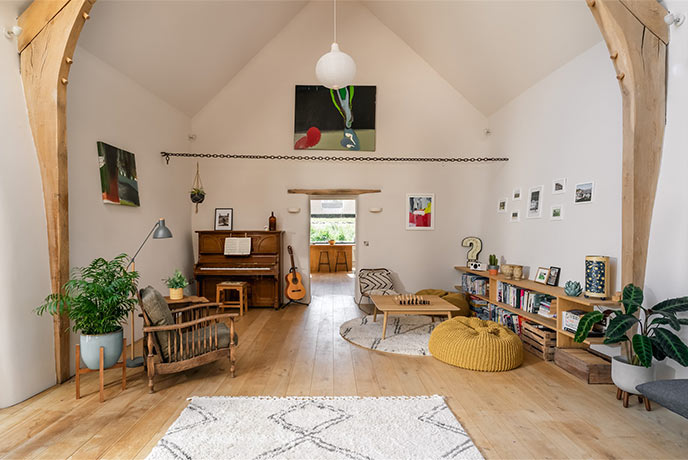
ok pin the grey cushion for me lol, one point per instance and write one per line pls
(155, 306)
(672, 394)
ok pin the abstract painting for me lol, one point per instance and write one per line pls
(118, 181)
(420, 211)
(329, 119)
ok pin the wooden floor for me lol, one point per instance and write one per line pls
(535, 411)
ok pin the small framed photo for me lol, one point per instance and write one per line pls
(558, 186)
(584, 193)
(501, 205)
(535, 202)
(556, 212)
(420, 211)
(542, 275)
(224, 218)
(515, 216)
(553, 276)
(516, 195)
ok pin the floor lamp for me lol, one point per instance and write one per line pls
(159, 231)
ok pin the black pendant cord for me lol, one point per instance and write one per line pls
(237, 156)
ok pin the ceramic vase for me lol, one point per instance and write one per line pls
(627, 376)
(518, 272)
(507, 271)
(597, 283)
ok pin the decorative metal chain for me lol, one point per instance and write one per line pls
(238, 156)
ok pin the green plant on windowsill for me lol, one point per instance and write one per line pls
(177, 281)
(653, 338)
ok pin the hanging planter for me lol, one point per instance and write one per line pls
(197, 193)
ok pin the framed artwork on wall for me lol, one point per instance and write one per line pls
(516, 195)
(334, 119)
(501, 205)
(558, 186)
(584, 193)
(515, 216)
(118, 179)
(224, 218)
(535, 202)
(420, 211)
(556, 212)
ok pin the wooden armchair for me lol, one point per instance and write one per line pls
(183, 338)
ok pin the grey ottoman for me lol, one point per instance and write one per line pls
(672, 394)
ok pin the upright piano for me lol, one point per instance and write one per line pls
(262, 268)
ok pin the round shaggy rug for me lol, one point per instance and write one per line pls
(406, 334)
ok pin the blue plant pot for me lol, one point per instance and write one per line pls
(112, 349)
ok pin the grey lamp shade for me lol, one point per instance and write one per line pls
(161, 230)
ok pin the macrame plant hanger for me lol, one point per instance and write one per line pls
(197, 187)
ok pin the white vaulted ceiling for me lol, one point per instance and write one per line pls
(490, 51)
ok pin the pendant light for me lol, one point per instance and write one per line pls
(335, 69)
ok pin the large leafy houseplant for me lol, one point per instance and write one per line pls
(653, 336)
(97, 298)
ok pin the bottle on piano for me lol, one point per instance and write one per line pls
(272, 222)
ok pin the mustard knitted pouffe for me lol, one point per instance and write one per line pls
(472, 343)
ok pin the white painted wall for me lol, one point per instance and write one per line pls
(568, 125)
(417, 113)
(104, 105)
(667, 270)
(27, 365)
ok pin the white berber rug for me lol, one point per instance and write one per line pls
(406, 334)
(322, 428)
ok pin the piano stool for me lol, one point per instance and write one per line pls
(341, 260)
(222, 295)
(324, 261)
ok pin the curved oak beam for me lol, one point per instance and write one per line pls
(637, 38)
(45, 61)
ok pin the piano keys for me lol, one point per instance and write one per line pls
(262, 268)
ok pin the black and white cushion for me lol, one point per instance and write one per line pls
(375, 281)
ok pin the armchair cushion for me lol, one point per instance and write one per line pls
(370, 279)
(157, 310)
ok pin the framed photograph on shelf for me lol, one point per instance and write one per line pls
(535, 202)
(501, 205)
(515, 216)
(516, 195)
(553, 276)
(558, 186)
(584, 193)
(542, 275)
(224, 218)
(556, 212)
(420, 211)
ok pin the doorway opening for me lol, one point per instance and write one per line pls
(332, 246)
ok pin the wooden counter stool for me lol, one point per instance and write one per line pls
(324, 260)
(341, 256)
(222, 295)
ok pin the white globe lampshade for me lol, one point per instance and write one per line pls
(335, 69)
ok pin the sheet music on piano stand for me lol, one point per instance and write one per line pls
(237, 246)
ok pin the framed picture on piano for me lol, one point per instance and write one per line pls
(224, 218)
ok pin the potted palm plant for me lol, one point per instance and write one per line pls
(176, 283)
(652, 338)
(97, 300)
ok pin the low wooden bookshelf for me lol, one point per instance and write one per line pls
(563, 303)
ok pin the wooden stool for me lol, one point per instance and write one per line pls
(341, 254)
(79, 370)
(620, 394)
(241, 287)
(325, 260)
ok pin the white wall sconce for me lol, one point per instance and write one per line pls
(375, 210)
(674, 19)
(293, 210)
(12, 32)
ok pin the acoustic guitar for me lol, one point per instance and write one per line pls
(295, 289)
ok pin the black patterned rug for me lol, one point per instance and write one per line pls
(262, 428)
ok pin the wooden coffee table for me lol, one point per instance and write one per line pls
(387, 305)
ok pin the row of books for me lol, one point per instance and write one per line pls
(490, 312)
(474, 284)
(525, 299)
